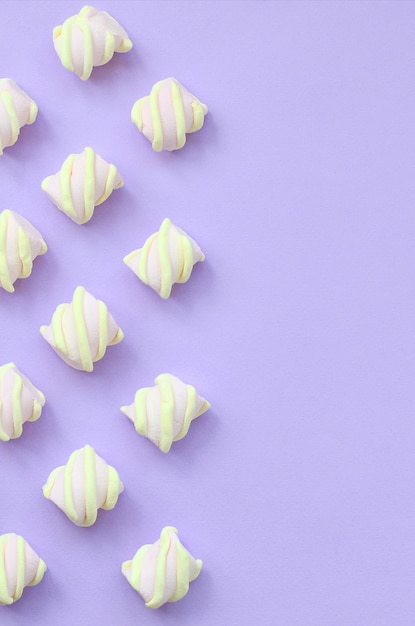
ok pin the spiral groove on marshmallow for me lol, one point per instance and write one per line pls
(81, 331)
(20, 402)
(20, 244)
(85, 484)
(84, 181)
(89, 39)
(161, 572)
(16, 110)
(163, 413)
(20, 567)
(167, 114)
(166, 258)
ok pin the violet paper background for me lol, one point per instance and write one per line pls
(297, 487)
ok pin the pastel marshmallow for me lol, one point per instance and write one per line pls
(163, 413)
(20, 567)
(81, 330)
(89, 39)
(167, 114)
(20, 244)
(84, 181)
(83, 486)
(166, 258)
(20, 402)
(161, 572)
(16, 110)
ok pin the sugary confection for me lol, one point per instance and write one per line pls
(81, 330)
(20, 402)
(166, 258)
(167, 114)
(84, 181)
(161, 572)
(16, 110)
(163, 413)
(89, 39)
(85, 484)
(20, 244)
(20, 567)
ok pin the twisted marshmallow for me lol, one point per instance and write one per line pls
(20, 402)
(81, 331)
(20, 244)
(167, 114)
(163, 413)
(16, 110)
(161, 572)
(84, 181)
(85, 484)
(167, 257)
(89, 39)
(20, 567)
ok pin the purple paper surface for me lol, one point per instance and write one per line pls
(297, 487)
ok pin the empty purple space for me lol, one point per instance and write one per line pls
(296, 488)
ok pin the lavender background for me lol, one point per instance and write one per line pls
(297, 487)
